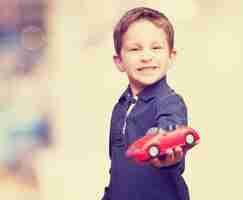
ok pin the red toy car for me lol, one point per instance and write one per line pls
(154, 143)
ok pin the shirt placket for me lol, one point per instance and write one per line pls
(130, 107)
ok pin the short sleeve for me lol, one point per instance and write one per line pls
(171, 111)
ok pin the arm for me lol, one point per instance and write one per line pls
(171, 111)
(107, 195)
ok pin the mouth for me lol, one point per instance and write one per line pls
(147, 68)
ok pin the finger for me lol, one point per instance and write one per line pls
(178, 152)
(169, 156)
(162, 131)
(156, 162)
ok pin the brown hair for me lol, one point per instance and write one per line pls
(133, 15)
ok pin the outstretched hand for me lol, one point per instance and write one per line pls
(172, 157)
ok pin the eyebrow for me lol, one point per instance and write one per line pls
(158, 43)
(132, 44)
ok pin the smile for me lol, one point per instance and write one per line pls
(147, 68)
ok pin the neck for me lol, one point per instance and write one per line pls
(136, 89)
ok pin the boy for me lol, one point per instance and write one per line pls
(143, 41)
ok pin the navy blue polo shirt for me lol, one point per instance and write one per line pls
(157, 106)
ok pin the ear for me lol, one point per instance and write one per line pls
(172, 56)
(118, 62)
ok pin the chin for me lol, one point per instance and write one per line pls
(149, 82)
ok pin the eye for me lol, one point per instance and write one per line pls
(157, 47)
(133, 49)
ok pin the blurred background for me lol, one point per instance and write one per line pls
(58, 86)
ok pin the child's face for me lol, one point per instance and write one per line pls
(145, 54)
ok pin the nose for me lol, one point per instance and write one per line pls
(146, 56)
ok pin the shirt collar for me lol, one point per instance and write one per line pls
(126, 95)
(157, 89)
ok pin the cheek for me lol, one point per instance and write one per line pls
(130, 61)
(163, 60)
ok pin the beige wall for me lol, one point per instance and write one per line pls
(86, 85)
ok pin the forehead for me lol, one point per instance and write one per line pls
(144, 31)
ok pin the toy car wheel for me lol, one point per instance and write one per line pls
(153, 151)
(190, 139)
